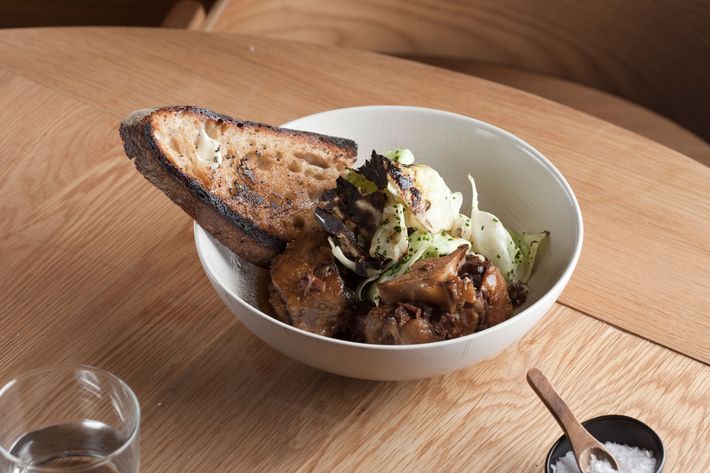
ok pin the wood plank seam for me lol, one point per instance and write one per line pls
(622, 329)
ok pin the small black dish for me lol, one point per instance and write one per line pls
(618, 429)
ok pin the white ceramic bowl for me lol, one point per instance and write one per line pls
(515, 182)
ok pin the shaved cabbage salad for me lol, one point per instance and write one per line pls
(513, 254)
(422, 219)
(390, 240)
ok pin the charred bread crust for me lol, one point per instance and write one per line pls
(240, 234)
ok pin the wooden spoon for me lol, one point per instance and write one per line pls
(583, 444)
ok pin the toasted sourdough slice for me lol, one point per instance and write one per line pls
(252, 186)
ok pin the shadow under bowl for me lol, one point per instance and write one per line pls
(613, 428)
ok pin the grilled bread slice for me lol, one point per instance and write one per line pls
(252, 186)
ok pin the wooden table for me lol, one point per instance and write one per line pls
(98, 267)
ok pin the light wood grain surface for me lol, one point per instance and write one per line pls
(652, 53)
(98, 267)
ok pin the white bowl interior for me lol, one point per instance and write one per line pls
(515, 182)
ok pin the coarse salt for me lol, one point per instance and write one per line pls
(629, 459)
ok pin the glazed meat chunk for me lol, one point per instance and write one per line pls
(397, 325)
(495, 293)
(438, 299)
(425, 281)
(307, 290)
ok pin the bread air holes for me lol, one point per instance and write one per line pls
(295, 166)
(265, 162)
(317, 173)
(313, 159)
(176, 145)
(214, 128)
(175, 150)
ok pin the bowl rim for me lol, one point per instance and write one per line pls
(531, 152)
(662, 450)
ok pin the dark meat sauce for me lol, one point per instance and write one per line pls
(436, 299)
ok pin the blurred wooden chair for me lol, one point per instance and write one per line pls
(185, 14)
(613, 59)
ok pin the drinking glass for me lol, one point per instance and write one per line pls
(68, 419)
